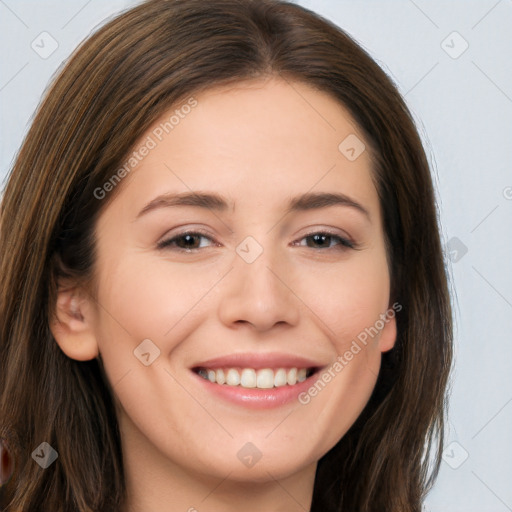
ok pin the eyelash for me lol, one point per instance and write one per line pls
(343, 244)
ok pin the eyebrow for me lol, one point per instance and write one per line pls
(215, 202)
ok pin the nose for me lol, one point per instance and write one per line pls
(259, 294)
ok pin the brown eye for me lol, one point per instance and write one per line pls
(324, 241)
(188, 241)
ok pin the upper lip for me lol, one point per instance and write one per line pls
(258, 361)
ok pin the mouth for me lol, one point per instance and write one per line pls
(256, 380)
(252, 378)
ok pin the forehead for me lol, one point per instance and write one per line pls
(253, 140)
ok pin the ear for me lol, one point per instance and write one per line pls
(72, 324)
(388, 333)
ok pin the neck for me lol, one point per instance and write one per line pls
(156, 484)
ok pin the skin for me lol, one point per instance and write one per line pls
(258, 144)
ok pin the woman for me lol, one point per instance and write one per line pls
(297, 357)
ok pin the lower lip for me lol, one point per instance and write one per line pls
(255, 398)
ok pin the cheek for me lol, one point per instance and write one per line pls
(351, 306)
(350, 299)
(149, 300)
(337, 398)
(139, 301)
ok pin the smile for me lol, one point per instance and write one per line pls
(256, 380)
(264, 378)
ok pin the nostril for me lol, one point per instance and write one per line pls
(6, 463)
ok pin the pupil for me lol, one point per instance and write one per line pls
(318, 239)
(189, 240)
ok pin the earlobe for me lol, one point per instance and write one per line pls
(388, 334)
(72, 325)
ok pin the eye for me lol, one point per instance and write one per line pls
(324, 240)
(190, 241)
(187, 241)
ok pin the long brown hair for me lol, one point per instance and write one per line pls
(115, 85)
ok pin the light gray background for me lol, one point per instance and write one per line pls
(463, 106)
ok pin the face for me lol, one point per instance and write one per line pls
(220, 259)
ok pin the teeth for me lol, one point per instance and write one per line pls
(233, 377)
(266, 378)
(220, 376)
(280, 378)
(249, 379)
